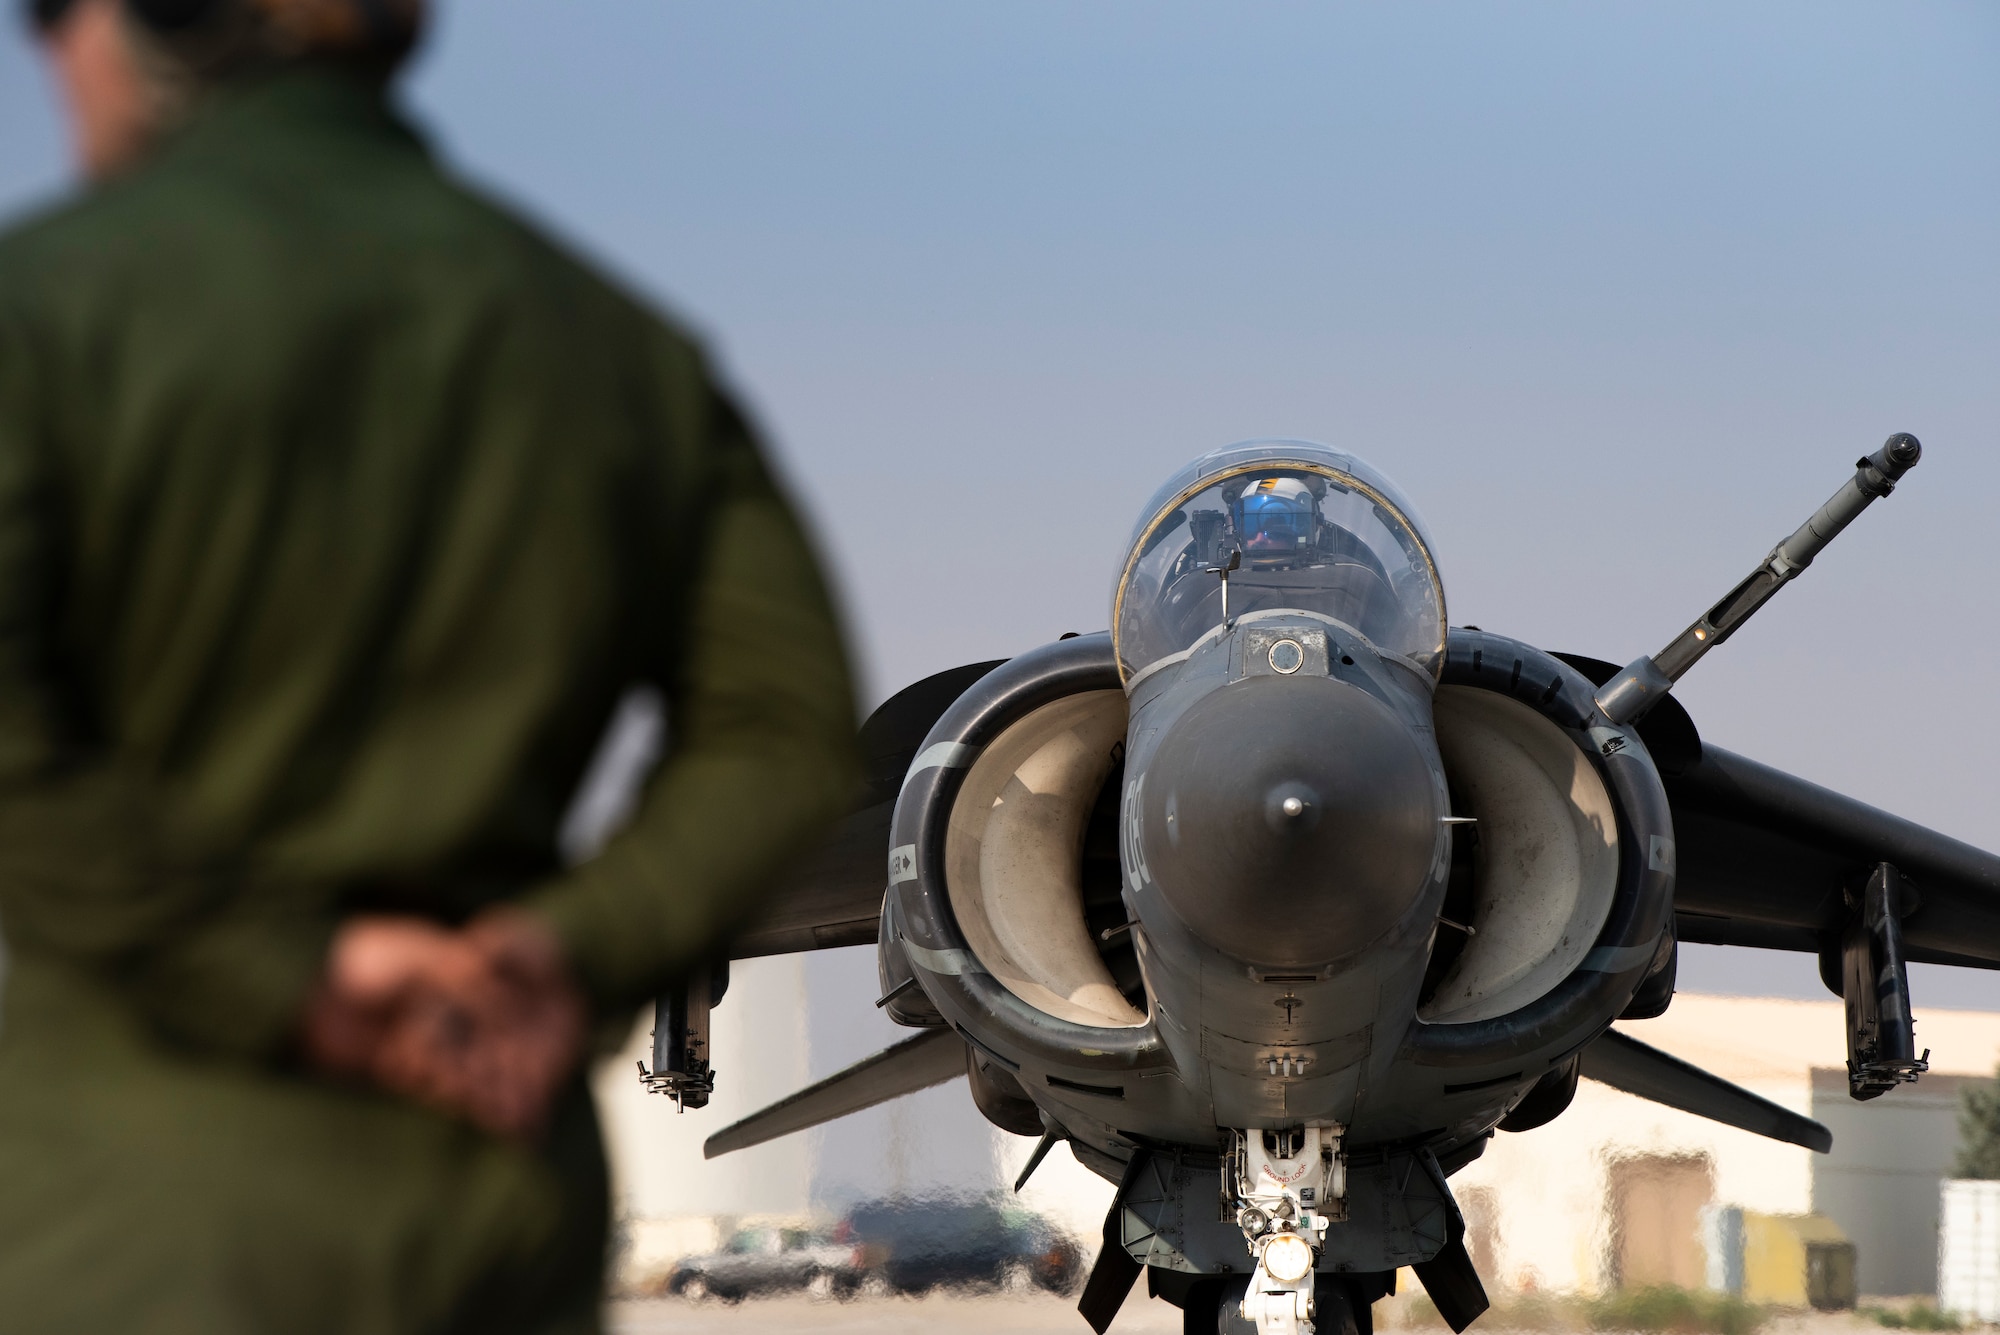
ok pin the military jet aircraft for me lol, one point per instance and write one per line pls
(1278, 898)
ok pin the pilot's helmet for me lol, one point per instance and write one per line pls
(1277, 518)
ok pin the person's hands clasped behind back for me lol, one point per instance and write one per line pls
(481, 1022)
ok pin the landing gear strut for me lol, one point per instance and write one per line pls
(1286, 1187)
(1215, 1307)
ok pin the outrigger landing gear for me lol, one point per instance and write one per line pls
(680, 1039)
(1286, 1187)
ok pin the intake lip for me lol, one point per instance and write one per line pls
(1290, 821)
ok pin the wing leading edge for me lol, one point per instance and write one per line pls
(1771, 860)
(835, 897)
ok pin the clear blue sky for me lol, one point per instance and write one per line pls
(1616, 292)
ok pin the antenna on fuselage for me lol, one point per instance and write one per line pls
(1222, 568)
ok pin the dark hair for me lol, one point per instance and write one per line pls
(45, 14)
(165, 15)
(222, 34)
(171, 15)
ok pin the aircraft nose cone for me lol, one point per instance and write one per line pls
(1292, 807)
(1288, 821)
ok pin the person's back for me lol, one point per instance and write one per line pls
(336, 511)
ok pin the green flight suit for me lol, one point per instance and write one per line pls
(337, 510)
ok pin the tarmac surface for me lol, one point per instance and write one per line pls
(991, 1314)
(955, 1314)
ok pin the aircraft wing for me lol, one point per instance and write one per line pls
(835, 896)
(1768, 859)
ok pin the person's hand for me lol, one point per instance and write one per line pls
(483, 1022)
(539, 1036)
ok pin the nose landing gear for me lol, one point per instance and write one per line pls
(1215, 1307)
(1286, 1187)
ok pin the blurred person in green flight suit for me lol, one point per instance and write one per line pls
(337, 510)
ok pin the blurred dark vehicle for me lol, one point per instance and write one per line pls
(910, 1245)
(768, 1260)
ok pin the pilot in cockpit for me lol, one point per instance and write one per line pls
(1278, 518)
(1293, 538)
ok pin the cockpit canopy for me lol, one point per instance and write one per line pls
(1300, 528)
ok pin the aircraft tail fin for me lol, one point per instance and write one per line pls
(1623, 1062)
(931, 1058)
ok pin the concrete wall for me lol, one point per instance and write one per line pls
(1880, 1184)
(759, 1041)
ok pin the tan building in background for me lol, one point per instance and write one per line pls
(1622, 1192)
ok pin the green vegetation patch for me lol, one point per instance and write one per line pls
(1663, 1310)
(1917, 1316)
(1680, 1311)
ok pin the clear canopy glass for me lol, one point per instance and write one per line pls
(1306, 529)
